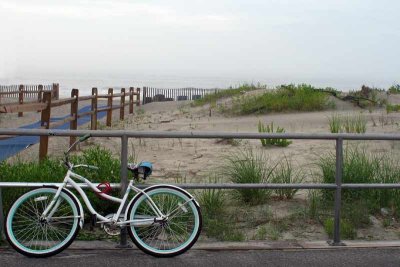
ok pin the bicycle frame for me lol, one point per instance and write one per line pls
(55, 202)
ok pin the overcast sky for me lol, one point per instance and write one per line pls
(298, 40)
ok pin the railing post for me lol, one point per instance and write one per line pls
(131, 92)
(21, 98)
(109, 106)
(338, 192)
(93, 117)
(73, 125)
(45, 123)
(2, 236)
(122, 105)
(138, 97)
(124, 185)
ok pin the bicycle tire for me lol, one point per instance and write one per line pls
(28, 207)
(190, 218)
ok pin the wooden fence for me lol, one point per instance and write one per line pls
(47, 103)
(28, 91)
(151, 94)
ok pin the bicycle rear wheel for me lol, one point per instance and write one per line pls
(36, 237)
(173, 236)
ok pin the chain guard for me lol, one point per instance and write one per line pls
(111, 229)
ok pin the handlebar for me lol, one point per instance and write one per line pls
(85, 137)
(81, 139)
(86, 166)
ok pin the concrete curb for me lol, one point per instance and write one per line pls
(251, 245)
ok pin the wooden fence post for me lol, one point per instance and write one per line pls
(109, 105)
(56, 91)
(21, 98)
(73, 125)
(131, 92)
(145, 95)
(40, 94)
(122, 105)
(93, 117)
(45, 123)
(138, 97)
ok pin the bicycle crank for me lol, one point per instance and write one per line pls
(112, 229)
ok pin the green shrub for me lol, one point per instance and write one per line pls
(392, 108)
(367, 97)
(48, 170)
(247, 167)
(52, 171)
(394, 89)
(285, 98)
(347, 230)
(271, 141)
(285, 174)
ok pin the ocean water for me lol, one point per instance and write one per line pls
(85, 83)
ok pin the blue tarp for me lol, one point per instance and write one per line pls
(10, 147)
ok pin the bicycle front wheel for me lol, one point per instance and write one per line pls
(34, 236)
(166, 238)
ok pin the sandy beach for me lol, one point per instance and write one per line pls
(195, 160)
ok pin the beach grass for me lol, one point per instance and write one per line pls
(355, 123)
(284, 98)
(285, 173)
(269, 128)
(359, 167)
(350, 123)
(216, 221)
(220, 94)
(247, 166)
(335, 123)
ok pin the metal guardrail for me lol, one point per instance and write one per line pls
(124, 135)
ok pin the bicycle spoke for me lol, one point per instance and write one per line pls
(34, 234)
(169, 235)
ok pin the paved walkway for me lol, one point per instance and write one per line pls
(11, 146)
(251, 245)
(94, 256)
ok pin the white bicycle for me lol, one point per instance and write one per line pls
(162, 220)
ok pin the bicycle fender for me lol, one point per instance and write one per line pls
(160, 185)
(82, 219)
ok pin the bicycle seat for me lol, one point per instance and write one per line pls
(144, 168)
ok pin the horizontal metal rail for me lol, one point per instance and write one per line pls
(220, 186)
(125, 135)
(196, 135)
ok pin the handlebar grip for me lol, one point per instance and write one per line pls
(93, 167)
(85, 137)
